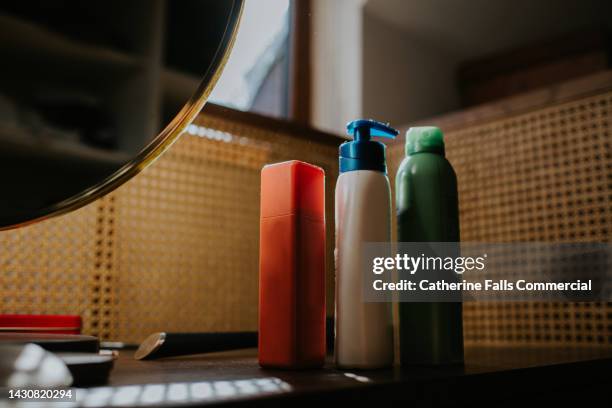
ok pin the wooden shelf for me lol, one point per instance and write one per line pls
(133, 88)
(19, 139)
(490, 377)
(23, 41)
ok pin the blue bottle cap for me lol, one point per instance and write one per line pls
(363, 153)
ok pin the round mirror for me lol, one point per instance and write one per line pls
(93, 91)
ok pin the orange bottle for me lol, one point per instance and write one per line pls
(292, 266)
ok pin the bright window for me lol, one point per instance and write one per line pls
(256, 77)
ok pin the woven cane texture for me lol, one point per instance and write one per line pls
(541, 176)
(58, 267)
(174, 249)
(187, 230)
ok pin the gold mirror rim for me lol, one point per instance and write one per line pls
(160, 143)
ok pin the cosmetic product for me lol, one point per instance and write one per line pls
(25, 364)
(88, 369)
(292, 266)
(427, 211)
(73, 343)
(27, 323)
(49, 372)
(364, 331)
(159, 345)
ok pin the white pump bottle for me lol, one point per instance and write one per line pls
(364, 331)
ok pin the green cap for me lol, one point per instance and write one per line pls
(424, 139)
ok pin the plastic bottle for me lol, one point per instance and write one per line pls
(364, 331)
(292, 266)
(427, 211)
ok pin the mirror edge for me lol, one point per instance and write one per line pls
(160, 143)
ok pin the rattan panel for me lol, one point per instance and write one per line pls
(175, 249)
(55, 267)
(187, 230)
(546, 176)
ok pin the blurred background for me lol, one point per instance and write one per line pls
(402, 61)
(522, 90)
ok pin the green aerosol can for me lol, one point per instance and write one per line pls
(431, 333)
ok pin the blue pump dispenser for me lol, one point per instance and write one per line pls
(363, 153)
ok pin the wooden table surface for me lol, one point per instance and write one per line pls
(491, 377)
